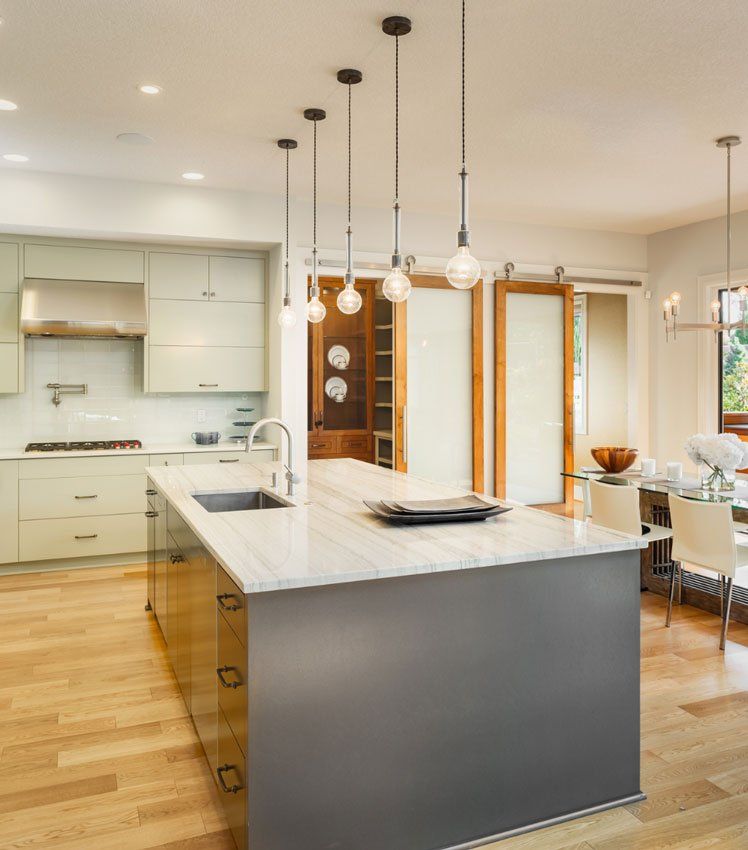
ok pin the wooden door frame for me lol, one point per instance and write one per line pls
(401, 374)
(565, 290)
(368, 287)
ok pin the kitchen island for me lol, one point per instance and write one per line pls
(364, 686)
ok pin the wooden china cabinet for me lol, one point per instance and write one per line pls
(340, 417)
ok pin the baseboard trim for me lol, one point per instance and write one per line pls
(532, 827)
(54, 565)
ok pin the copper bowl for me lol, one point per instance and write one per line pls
(614, 458)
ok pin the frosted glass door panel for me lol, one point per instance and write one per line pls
(534, 398)
(440, 390)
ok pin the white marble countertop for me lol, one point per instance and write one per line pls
(147, 449)
(330, 536)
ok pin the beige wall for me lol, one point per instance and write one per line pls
(607, 376)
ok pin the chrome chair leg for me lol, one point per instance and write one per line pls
(726, 618)
(672, 595)
(721, 596)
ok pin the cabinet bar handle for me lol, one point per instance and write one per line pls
(85, 536)
(232, 607)
(228, 460)
(207, 385)
(176, 559)
(150, 492)
(151, 514)
(227, 789)
(221, 670)
(95, 496)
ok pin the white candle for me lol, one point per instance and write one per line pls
(649, 466)
(674, 471)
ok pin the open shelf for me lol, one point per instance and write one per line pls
(383, 435)
(383, 353)
(384, 327)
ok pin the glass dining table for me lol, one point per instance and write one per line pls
(699, 589)
(689, 488)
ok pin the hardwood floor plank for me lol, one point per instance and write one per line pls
(718, 705)
(677, 799)
(30, 799)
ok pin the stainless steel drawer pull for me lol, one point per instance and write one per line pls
(176, 559)
(227, 789)
(233, 607)
(151, 514)
(221, 670)
(85, 536)
(228, 460)
(207, 385)
(95, 496)
(150, 492)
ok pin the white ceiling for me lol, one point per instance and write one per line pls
(586, 113)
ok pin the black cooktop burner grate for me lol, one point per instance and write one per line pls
(84, 446)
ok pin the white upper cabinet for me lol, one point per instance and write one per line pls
(237, 279)
(180, 276)
(72, 262)
(8, 267)
(8, 317)
(190, 369)
(211, 324)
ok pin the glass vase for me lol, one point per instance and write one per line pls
(714, 478)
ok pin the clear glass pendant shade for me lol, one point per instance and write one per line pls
(349, 300)
(287, 316)
(463, 270)
(396, 286)
(315, 310)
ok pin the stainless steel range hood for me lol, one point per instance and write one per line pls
(83, 308)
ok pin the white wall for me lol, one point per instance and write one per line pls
(677, 259)
(64, 205)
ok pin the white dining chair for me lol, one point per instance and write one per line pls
(704, 535)
(616, 506)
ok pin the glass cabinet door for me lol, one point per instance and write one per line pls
(341, 351)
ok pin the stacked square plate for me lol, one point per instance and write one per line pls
(461, 509)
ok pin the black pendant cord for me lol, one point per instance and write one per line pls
(287, 160)
(314, 183)
(349, 154)
(397, 118)
(463, 85)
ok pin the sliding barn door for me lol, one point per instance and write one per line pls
(439, 383)
(534, 392)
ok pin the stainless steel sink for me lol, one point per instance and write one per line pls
(239, 500)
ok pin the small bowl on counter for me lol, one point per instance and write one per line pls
(614, 458)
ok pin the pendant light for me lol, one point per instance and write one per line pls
(349, 300)
(463, 270)
(671, 305)
(287, 316)
(396, 285)
(315, 309)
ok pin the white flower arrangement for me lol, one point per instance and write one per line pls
(720, 452)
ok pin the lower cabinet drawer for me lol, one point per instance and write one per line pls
(322, 445)
(82, 537)
(230, 599)
(77, 497)
(232, 681)
(231, 777)
(255, 456)
(358, 445)
(165, 460)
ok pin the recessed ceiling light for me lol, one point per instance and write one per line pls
(7, 105)
(134, 139)
(15, 157)
(193, 175)
(150, 88)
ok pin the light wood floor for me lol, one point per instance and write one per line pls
(96, 752)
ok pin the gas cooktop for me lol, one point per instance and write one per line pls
(84, 446)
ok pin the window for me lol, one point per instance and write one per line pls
(580, 364)
(733, 371)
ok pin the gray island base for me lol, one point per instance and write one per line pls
(425, 710)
